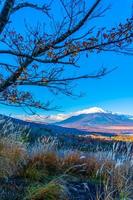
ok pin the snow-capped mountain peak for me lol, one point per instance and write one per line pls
(90, 110)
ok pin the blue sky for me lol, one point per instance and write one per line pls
(113, 92)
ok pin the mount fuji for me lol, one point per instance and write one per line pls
(97, 120)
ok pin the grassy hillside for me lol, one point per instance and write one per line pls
(47, 170)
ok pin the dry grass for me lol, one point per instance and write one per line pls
(86, 167)
(12, 156)
(52, 191)
(45, 168)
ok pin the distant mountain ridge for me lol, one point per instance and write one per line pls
(99, 121)
(98, 118)
(39, 129)
(87, 121)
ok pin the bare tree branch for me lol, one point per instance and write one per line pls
(5, 13)
(44, 9)
(40, 54)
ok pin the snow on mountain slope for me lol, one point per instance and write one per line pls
(99, 121)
